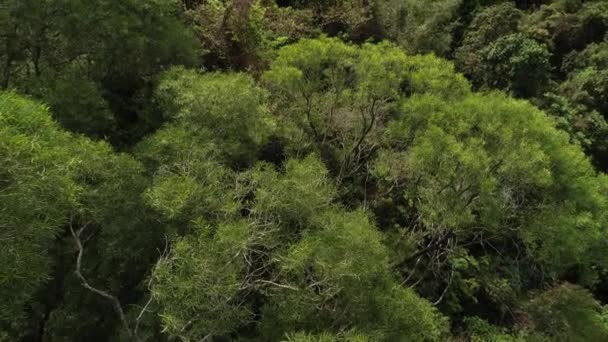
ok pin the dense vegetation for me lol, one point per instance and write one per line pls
(310, 171)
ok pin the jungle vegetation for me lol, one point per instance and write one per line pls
(305, 171)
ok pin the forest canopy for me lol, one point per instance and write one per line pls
(306, 171)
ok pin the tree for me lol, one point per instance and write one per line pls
(350, 336)
(418, 27)
(569, 25)
(588, 87)
(479, 330)
(295, 260)
(489, 171)
(226, 113)
(231, 33)
(214, 170)
(38, 191)
(54, 180)
(487, 26)
(585, 87)
(114, 47)
(585, 126)
(568, 312)
(517, 64)
(336, 98)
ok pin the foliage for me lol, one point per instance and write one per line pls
(298, 170)
(419, 27)
(487, 26)
(336, 98)
(350, 336)
(229, 31)
(480, 330)
(475, 171)
(53, 179)
(585, 127)
(228, 111)
(209, 259)
(288, 257)
(38, 191)
(517, 64)
(565, 26)
(569, 313)
(110, 49)
(588, 87)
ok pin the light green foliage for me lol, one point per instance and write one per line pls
(199, 286)
(484, 165)
(435, 76)
(418, 26)
(51, 179)
(186, 193)
(38, 190)
(215, 121)
(336, 97)
(334, 93)
(227, 110)
(568, 313)
(333, 253)
(297, 196)
(330, 273)
(517, 64)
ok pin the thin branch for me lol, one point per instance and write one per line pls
(85, 283)
(276, 284)
(141, 313)
(445, 290)
(162, 257)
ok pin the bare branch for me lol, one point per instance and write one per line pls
(445, 290)
(115, 302)
(276, 284)
(141, 314)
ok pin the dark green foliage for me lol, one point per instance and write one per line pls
(586, 87)
(517, 64)
(568, 313)
(101, 56)
(565, 26)
(479, 330)
(586, 127)
(419, 27)
(489, 25)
